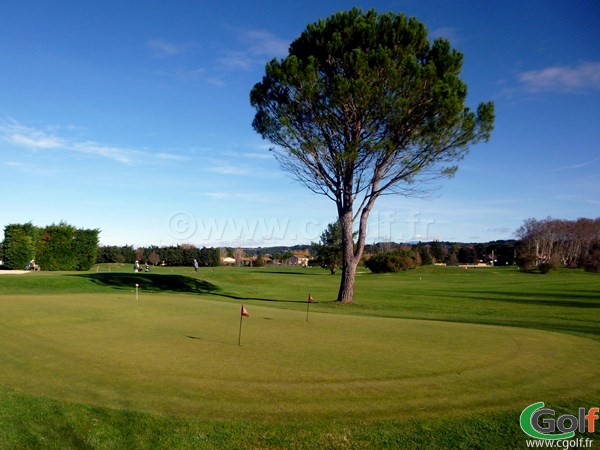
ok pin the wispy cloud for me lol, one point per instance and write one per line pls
(19, 135)
(15, 164)
(252, 48)
(264, 43)
(225, 169)
(450, 33)
(578, 165)
(171, 157)
(256, 155)
(163, 49)
(563, 78)
(28, 137)
(258, 46)
(237, 60)
(184, 74)
(119, 154)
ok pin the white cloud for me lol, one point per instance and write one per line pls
(563, 78)
(237, 60)
(450, 33)
(164, 49)
(218, 195)
(14, 133)
(258, 47)
(14, 164)
(35, 141)
(115, 153)
(225, 169)
(253, 155)
(254, 48)
(578, 165)
(264, 43)
(215, 81)
(171, 156)
(184, 74)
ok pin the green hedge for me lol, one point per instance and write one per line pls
(54, 247)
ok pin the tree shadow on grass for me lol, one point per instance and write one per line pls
(570, 300)
(290, 272)
(153, 282)
(240, 297)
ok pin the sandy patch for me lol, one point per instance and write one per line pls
(13, 272)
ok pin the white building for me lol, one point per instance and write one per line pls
(298, 261)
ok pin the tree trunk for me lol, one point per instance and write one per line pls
(346, 292)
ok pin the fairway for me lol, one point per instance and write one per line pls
(431, 358)
(178, 355)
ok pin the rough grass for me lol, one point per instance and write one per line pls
(86, 365)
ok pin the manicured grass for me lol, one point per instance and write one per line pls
(38, 423)
(166, 371)
(565, 301)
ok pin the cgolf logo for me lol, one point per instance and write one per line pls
(563, 427)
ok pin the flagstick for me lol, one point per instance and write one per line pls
(240, 334)
(309, 300)
(136, 291)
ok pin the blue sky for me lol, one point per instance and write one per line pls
(134, 117)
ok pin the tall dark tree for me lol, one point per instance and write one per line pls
(424, 252)
(364, 105)
(209, 257)
(329, 250)
(439, 251)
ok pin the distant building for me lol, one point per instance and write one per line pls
(298, 261)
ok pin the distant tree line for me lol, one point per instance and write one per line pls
(394, 257)
(498, 253)
(542, 245)
(549, 243)
(180, 255)
(53, 247)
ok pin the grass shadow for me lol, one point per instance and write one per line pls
(152, 282)
(198, 338)
(290, 272)
(584, 300)
(258, 299)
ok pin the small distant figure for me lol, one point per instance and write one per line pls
(196, 265)
(32, 266)
(147, 267)
(136, 266)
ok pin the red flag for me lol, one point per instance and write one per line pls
(244, 312)
(310, 299)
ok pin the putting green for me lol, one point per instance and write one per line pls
(178, 354)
